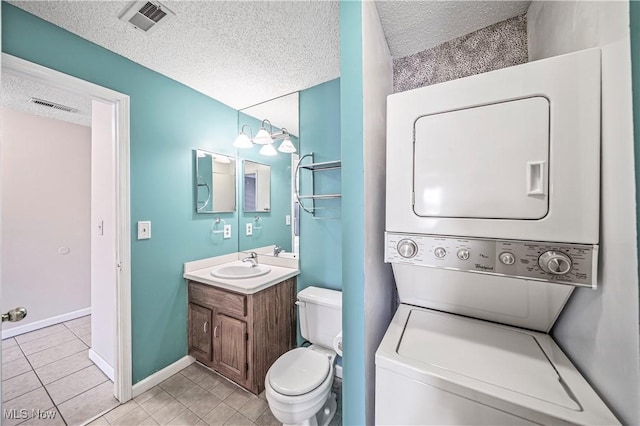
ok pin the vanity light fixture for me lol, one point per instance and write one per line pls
(287, 146)
(222, 159)
(263, 137)
(244, 141)
(266, 139)
(268, 149)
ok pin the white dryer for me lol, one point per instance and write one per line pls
(492, 220)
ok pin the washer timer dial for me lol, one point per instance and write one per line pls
(440, 252)
(555, 262)
(407, 248)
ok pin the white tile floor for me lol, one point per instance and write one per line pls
(197, 396)
(49, 370)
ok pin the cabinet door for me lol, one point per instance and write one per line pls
(230, 347)
(200, 332)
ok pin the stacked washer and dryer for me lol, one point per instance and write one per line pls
(492, 220)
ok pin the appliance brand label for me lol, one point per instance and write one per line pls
(484, 267)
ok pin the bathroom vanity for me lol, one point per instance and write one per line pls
(239, 327)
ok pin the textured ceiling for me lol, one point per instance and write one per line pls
(16, 92)
(246, 52)
(238, 52)
(413, 26)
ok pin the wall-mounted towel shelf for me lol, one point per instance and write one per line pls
(313, 209)
(316, 167)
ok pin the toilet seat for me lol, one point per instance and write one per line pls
(299, 371)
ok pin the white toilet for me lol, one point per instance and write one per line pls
(298, 384)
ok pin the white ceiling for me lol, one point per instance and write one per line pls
(414, 26)
(16, 92)
(238, 52)
(244, 53)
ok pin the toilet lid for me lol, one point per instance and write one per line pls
(298, 371)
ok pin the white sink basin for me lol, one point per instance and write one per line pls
(234, 272)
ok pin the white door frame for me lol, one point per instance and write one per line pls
(15, 65)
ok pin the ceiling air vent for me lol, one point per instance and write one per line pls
(53, 105)
(146, 15)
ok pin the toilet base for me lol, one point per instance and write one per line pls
(324, 416)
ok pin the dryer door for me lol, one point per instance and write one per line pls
(488, 161)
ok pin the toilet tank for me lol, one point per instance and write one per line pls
(320, 315)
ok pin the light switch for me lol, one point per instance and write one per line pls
(287, 219)
(227, 232)
(144, 230)
(249, 229)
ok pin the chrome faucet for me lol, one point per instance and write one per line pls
(277, 250)
(253, 258)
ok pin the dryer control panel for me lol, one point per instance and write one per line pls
(572, 264)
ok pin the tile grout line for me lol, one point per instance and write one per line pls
(51, 347)
(74, 333)
(74, 372)
(84, 391)
(43, 387)
(42, 350)
(32, 369)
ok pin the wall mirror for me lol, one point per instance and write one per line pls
(257, 187)
(214, 182)
(266, 196)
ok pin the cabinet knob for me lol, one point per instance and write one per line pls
(215, 331)
(205, 327)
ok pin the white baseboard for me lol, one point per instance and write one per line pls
(159, 376)
(101, 364)
(339, 371)
(21, 329)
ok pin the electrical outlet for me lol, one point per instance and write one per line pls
(144, 230)
(287, 219)
(227, 232)
(249, 229)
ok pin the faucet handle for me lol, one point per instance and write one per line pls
(253, 255)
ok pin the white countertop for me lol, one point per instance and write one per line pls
(281, 269)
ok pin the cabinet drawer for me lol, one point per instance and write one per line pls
(225, 301)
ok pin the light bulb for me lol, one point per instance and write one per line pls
(268, 150)
(263, 137)
(242, 141)
(287, 146)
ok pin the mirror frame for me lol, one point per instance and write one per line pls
(197, 177)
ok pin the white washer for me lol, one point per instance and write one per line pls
(492, 219)
(439, 368)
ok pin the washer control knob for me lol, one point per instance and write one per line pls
(507, 258)
(407, 248)
(440, 252)
(555, 262)
(463, 254)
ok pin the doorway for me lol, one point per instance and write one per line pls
(118, 248)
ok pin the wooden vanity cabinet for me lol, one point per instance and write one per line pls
(200, 343)
(241, 335)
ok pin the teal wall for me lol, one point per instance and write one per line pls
(321, 240)
(274, 229)
(353, 327)
(168, 120)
